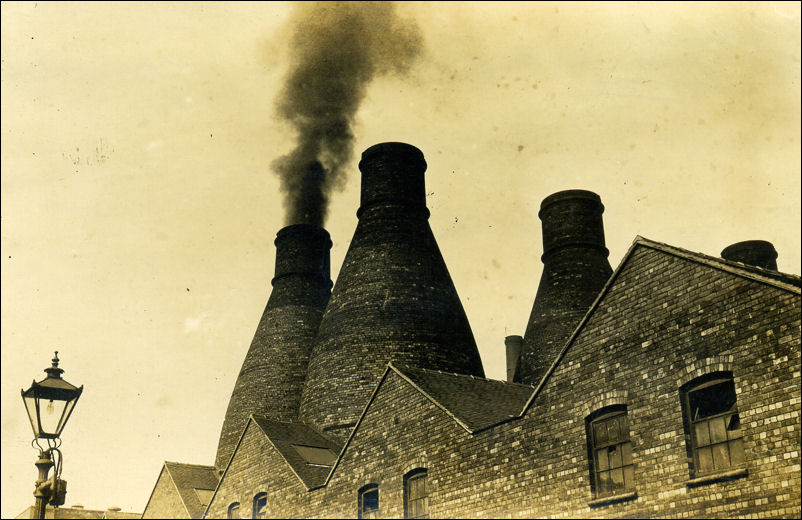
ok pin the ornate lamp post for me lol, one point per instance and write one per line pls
(49, 404)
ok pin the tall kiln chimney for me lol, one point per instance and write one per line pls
(393, 301)
(575, 268)
(274, 369)
(752, 252)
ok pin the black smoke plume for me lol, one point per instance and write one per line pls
(337, 49)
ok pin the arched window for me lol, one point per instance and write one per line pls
(712, 424)
(259, 505)
(369, 501)
(416, 494)
(233, 510)
(610, 452)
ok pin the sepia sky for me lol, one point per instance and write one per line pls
(139, 208)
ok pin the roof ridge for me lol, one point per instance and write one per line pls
(457, 374)
(209, 466)
(267, 418)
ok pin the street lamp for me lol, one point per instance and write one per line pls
(49, 404)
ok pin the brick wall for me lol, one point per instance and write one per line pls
(165, 502)
(257, 467)
(664, 321)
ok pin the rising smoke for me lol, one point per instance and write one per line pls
(337, 49)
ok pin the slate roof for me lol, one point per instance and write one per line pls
(187, 478)
(475, 403)
(286, 435)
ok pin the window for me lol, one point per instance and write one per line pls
(204, 495)
(712, 424)
(610, 452)
(369, 501)
(259, 505)
(315, 456)
(416, 496)
(233, 510)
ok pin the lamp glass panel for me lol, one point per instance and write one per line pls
(66, 415)
(30, 407)
(51, 412)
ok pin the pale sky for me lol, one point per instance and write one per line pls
(139, 209)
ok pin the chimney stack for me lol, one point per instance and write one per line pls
(274, 369)
(752, 252)
(393, 301)
(575, 268)
(513, 344)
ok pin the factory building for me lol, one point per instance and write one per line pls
(669, 386)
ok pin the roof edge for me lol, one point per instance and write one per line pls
(225, 471)
(581, 324)
(163, 469)
(751, 272)
(253, 416)
(356, 427)
(735, 268)
(406, 378)
(180, 497)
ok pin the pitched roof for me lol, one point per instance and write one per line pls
(783, 281)
(475, 403)
(309, 454)
(189, 477)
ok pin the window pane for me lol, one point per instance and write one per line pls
(718, 432)
(702, 433)
(712, 400)
(601, 458)
(629, 477)
(626, 453)
(624, 420)
(721, 456)
(705, 459)
(617, 476)
(612, 430)
(600, 430)
(614, 452)
(605, 485)
(424, 505)
(734, 426)
(370, 500)
(737, 452)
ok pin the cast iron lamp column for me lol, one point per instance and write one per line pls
(49, 404)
